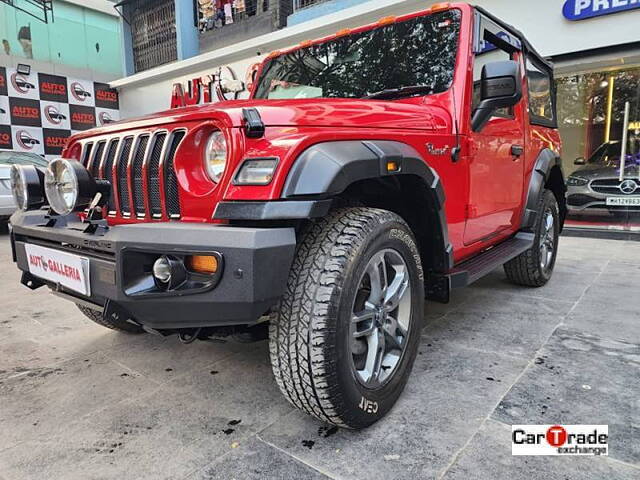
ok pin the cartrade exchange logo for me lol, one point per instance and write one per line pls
(560, 440)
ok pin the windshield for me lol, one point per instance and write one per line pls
(608, 154)
(417, 52)
(16, 158)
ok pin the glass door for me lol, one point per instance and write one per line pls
(603, 185)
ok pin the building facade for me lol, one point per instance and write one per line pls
(55, 65)
(593, 43)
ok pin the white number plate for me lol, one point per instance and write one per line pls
(68, 270)
(623, 201)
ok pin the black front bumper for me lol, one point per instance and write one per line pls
(256, 266)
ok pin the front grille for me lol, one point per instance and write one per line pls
(145, 182)
(610, 186)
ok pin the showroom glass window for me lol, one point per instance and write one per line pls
(421, 51)
(591, 119)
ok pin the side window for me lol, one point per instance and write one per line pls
(540, 95)
(490, 54)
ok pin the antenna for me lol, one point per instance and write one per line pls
(455, 151)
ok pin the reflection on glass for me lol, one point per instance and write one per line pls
(591, 116)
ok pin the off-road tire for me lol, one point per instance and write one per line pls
(526, 268)
(309, 347)
(112, 323)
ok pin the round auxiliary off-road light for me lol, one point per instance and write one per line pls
(27, 186)
(169, 272)
(69, 186)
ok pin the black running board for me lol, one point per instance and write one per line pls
(439, 286)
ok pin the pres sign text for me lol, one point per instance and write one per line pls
(583, 9)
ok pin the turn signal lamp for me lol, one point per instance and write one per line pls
(393, 166)
(207, 264)
(439, 7)
(386, 20)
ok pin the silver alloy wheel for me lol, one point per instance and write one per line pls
(381, 315)
(547, 239)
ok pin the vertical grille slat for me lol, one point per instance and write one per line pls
(170, 179)
(97, 158)
(87, 153)
(123, 179)
(140, 166)
(107, 170)
(136, 171)
(153, 176)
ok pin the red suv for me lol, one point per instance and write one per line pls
(369, 170)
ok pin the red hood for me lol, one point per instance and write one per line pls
(326, 112)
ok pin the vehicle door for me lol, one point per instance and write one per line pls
(496, 176)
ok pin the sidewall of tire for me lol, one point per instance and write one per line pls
(365, 406)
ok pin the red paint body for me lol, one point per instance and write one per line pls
(485, 190)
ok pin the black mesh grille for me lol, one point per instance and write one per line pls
(611, 185)
(137, 184)
(107, 170)
(153, 175)
(123, 183)
(170, 179)
(97, 158)
(87, 153)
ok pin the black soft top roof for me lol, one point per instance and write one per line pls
(526, 46)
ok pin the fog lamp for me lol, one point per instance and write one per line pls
(169, 272)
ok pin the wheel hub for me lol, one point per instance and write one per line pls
(380, 318)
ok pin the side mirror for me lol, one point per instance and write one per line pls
(500, 87)
(580, 161)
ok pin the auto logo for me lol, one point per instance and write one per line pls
(2, 111)
(104, 118)
(628, 187)
(78, 92)
(25, 140)
(21, 84)
(53, 115)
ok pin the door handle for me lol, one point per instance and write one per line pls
(517, 150)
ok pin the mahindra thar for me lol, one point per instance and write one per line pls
(368, 171)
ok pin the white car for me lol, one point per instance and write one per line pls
(7, 205)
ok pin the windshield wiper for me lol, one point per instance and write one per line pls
(392, 93)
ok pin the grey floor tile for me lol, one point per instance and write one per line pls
(255, 460)
(488, 456)
(581, 379)
(519, 334)
(448, 395)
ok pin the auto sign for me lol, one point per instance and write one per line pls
(582, 9)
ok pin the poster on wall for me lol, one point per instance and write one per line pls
(40, 111)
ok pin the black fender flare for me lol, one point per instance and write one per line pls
(327, 169)
(540, 176)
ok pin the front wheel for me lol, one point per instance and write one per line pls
(534, 267)
(345, 335)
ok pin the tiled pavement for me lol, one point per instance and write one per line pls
(80, 402)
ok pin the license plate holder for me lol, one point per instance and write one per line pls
(66, 269)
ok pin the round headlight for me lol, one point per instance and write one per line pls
(215, 156)
(69, 186)
(26, 186)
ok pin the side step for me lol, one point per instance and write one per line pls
(438, 287)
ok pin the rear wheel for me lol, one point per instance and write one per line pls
(112, 323)
(534, 267)
(345, 334)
